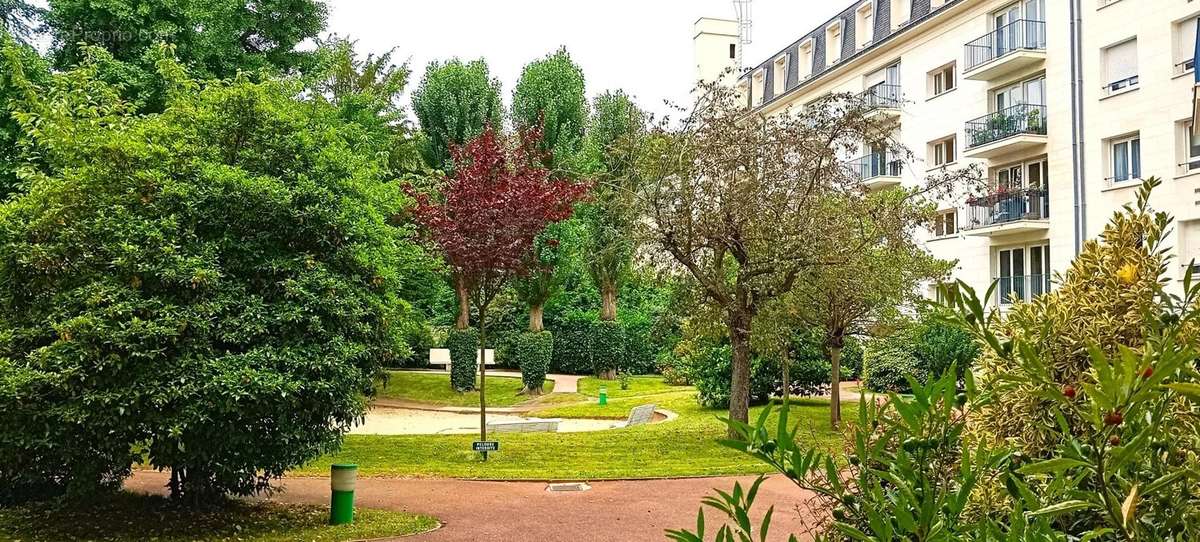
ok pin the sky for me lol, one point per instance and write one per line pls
(641, 46)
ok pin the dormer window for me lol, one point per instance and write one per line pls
(804, 68)
(779, 75)
(833, 43)
(758, 88)
(901, 13)
(864, 25)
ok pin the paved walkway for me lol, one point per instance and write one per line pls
(520, 511)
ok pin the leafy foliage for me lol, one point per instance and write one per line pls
(550, 96)
(709, 367)
(532, 352)
(455, 103)
(23, 75)
(20, 19)
(214, 39)
(608, 347)
(463, 345)
(889, 363)
(223, 281)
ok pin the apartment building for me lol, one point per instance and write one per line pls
(1065, 104)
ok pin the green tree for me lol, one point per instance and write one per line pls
(217, 293)
(454, 103)
(214, 39)
(869, 286)
(609, 218)
(551, 94)
(23, 75)
(20, 19)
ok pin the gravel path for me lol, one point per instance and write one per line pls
(524, 511)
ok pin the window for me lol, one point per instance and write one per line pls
(758, 88)
(805, 67)
(944, 151)
(1189, 246)
(864, 26)
(1185, 45)
(833, 43)
(1187, 147)
(1120, 67)
(732, 50)
(779, 75)
(945, 223)
(1013, 282)
(1126, 154)
(901, 12)
(942, 80)
(743, 92)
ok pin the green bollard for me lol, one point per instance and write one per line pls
(603, 395)
(341, 504)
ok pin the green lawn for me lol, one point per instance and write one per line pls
(638, 385)
(434, 389)
(128, 517)
(683, 447)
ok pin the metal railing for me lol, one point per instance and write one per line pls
(1121, 84)
(1019, 35)
(1021, 288)
(1005, 206)
(1010, 121)
(883, 95)
(880, 164)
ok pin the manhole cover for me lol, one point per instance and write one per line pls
(572, 486)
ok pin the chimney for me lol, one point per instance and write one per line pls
(715, 44)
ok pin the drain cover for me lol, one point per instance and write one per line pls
(573, 486)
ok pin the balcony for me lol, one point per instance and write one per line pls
(1008, 212)
(1020, 288)
(883, 101)
(1012, 129)
(1014, 47)
(878, 170)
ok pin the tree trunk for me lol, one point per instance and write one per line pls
(464, 303)
(787, 380)
(739, 390)
(483, 375)
(535, 317)
(607, 374)
(608, 301)
(835, 388)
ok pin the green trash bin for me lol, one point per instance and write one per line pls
(341, 503)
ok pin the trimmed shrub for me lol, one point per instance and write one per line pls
(608, 347)
(939, 346)
(887, 361)
(710, 369)
(572, 345)
(672, 370)
(640, 347)
(464, 361)
(532, 351)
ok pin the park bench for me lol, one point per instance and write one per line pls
(532, 425)
(640, 415)
(441, 357)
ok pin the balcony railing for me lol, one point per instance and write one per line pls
(883, 96)
(1003, 207)
(1010, 121)
(1019, 35)
(883, 164)
(1021, 287)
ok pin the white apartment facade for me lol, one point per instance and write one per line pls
(1064, 104)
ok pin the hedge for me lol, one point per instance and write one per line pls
(572, 345)
(464, 361)
(532, 352)
(608, 346)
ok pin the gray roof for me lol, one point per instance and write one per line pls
(882, 34)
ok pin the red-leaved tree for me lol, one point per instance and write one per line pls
(487, 217)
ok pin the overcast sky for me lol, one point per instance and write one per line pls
(642, 46)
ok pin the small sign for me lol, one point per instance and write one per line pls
(485, 446)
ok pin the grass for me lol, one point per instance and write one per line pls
(434, 389)
(638, 385)
(129, 517)
(683, 447)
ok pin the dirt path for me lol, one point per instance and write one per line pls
(525, 511)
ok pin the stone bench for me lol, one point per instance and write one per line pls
(441, 356)
(525, 426)
(640, 415)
